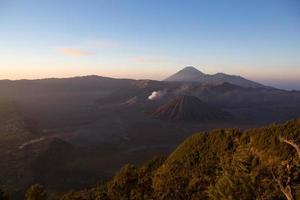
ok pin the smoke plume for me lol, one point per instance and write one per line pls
(182, 90)
(157, 94)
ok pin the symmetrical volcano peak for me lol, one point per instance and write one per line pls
(190, 69)
(186, 74)
(188, 108)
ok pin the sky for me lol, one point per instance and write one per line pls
(140, 39)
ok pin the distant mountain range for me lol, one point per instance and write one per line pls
(191, 74)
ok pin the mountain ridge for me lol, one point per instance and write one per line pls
(192, 74)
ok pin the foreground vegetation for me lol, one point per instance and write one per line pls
(227, 164)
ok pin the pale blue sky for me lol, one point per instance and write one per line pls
(151, 39)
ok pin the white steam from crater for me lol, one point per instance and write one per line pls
(157, 94)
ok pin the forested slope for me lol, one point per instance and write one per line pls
(260, 163)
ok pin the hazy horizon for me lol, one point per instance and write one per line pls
(149, 40)
(280, 84)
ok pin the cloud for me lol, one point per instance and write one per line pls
(87, 48)
(75, 52)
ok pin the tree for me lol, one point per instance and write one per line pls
(36, 192)
(236, 182)
(292, 143)
(123, 183)
(234, 187)
(285, 186)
